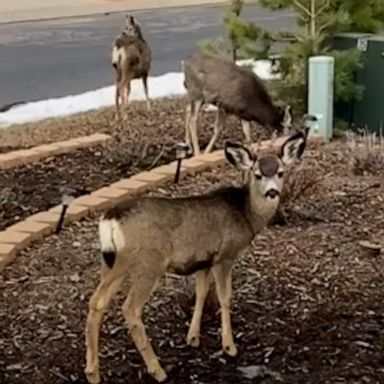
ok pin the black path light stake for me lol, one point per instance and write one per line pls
(181, 153)
(66, 199)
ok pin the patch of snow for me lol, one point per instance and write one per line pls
(167, 85)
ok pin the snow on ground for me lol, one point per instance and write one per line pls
(167, 85)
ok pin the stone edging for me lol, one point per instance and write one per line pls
(26, 156)
(22, 234)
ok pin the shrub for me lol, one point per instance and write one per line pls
(300, 184)
(366, 152)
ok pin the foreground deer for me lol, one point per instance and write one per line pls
(131, 58)
(232, 89)
(148, 237)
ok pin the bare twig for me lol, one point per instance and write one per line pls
(158, 157)
(143, 155)
(58, 374)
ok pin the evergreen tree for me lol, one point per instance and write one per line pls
(243, 40)
(317, 23)
(363, 15)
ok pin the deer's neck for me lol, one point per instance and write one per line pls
(260, 210)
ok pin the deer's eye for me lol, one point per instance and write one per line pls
(280, 174)
(258, 177)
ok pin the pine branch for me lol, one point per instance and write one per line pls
(323, 8)
(301, 6)
(323, 27)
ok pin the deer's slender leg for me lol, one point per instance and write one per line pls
(117, 91)
(145, 84)
(188, 112)
(118, 96)
(223, 280)
(126, 93)
(197, 104)
(246, 125)
(218, 127)
(117, 102)
(107, 288)
(140, 291)
(202, 287)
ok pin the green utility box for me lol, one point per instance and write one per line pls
(368, 112)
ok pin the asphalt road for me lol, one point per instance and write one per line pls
(40, 60)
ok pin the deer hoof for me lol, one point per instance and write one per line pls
(157, 372)
(93, 375)
(193, 340)
(230, 349)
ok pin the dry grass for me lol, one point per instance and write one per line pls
(366, 152)
(131, 149)
(300, 183)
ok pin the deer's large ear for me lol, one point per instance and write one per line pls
(293, 147)
(239, 156)
(129, 20)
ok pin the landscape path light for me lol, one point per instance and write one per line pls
(309, 119)
(310, 122)
(182, 150)
(66, 199)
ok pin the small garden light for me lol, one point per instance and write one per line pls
(310, 120)
(66, 199)
(181, 153)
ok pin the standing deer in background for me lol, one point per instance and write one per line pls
(131, 58)
(132, 28)
(232, 89)
(145, 238)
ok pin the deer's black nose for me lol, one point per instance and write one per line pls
(272, 193)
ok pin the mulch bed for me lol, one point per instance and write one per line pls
(307, 306)
(145, 141)
(167, 118)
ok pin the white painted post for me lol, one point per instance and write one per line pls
(320, 94)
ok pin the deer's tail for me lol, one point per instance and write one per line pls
(111, 240)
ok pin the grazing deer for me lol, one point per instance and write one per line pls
(131, 58)
(232, 89)
(145, 238)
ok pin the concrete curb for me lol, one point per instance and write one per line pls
(26, 156)
(21, 235)
(77, 10)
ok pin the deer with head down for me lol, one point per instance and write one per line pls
(144, 239)
(131, 58)
(233, 90)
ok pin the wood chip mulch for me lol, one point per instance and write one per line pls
(307, 308)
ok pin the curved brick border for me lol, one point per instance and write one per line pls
(22, 234)
(25, 156)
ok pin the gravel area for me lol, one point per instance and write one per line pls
(307, 305)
